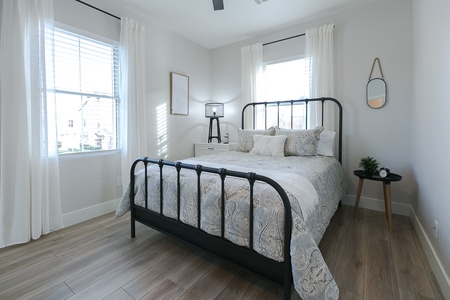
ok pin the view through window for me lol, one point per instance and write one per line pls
(284, 81)
(86, 74)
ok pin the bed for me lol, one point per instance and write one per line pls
(291, 178)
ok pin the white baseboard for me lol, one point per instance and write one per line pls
(406, 210)
(438, 269)
(377, 204)
(87, 213)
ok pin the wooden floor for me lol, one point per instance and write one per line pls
(98, 260)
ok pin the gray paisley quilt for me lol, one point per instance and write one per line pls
(315, 185)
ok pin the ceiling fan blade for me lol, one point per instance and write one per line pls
(218, 4)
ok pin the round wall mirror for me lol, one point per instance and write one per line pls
(376, 93)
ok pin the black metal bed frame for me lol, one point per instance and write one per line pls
(279, 272)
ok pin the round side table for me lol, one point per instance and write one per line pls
(386, 188)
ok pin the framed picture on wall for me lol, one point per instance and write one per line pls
(179, 94)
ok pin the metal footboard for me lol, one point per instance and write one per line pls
(246, 257)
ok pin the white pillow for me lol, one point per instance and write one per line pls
(326, 143)
(268, 145)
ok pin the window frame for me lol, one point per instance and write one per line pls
(116, 88)
(265, 119)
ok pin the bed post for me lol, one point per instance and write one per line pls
(132, 183)
(133, 227)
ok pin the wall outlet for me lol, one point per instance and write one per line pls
(436, 229)
(119, 181)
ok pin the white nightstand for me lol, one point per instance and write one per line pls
(205, 148)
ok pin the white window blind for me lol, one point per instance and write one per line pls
(86, 77)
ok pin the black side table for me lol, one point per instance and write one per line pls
(386, 187)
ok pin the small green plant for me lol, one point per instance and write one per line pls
(369, 165)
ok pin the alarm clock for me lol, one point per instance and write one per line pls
(383, 172)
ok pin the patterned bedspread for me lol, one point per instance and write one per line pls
(319, 183)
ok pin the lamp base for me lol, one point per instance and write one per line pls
(210, 135)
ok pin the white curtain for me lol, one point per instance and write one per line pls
(251, 70)
(319, 55)
(133, 95)
(30, 201)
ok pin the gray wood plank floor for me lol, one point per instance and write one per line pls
(97, 259)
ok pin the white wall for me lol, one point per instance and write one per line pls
(430, 123)
(89, 181)
(380, 30)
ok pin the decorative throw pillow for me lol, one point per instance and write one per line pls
(326, 143)
(268, 145)
(245, 138)
(300, 142)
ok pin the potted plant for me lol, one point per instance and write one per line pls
(369, 165)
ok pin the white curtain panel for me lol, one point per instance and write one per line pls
(30, 201)
(133, 94)
(319, 54)
(251, 69)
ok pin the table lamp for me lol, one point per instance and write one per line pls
(214, 111)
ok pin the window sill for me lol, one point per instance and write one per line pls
(81, 155)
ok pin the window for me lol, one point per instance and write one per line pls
(284, 81)
(86, 74)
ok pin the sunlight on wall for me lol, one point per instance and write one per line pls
(161, 130)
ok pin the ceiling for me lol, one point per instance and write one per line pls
(196, 20)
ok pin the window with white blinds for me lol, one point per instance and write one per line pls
(86, 81)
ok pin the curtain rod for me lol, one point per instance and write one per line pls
(100, 10)
(288, 38)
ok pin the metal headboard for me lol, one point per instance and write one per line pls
(292, 103)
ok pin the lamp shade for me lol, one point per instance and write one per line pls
(214, 110)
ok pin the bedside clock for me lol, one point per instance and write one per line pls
(383, 172)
